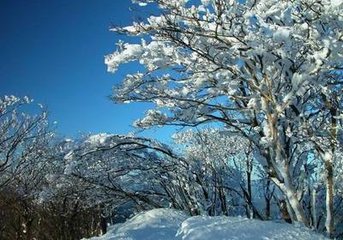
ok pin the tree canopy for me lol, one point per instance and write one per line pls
(270, 70)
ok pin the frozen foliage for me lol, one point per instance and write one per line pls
(268, 69)
(113, 170)
(24, 137)
(170, 224)
(222, 165)
(25, 154)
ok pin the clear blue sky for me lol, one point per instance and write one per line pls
(53, 51)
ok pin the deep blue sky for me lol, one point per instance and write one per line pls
(53, 51)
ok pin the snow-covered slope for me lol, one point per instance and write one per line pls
(151, 225)
(241, 228)
(165, 224)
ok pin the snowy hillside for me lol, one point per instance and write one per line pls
(167, 224)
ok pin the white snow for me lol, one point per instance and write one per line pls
(336, 3)
(151, 225)
(281, 35)
(164, 224)
(252, 104)
(97, 139)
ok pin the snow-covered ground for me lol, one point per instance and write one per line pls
(165, 224)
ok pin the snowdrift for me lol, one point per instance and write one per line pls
(165, 224)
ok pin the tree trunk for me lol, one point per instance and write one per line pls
(329, 223)
(327, 158)
(267, 210)
(103, 224)
(268, 196)
(290, 193)
(329, 182)
(314, 207)
(278, 160)
(248, 173)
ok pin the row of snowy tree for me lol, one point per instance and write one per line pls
(73, 188)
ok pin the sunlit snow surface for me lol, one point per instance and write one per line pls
(164, 224)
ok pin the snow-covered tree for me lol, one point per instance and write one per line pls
(326, 134)
(255, 66)
(25, 151)
(224, 167)
(24, 140)
(120, 169)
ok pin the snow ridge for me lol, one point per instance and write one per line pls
(168, 224)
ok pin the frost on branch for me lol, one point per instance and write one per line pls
(128, 52)
(152, 116)
(281, 48)
(24, 140)
(268, 69)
